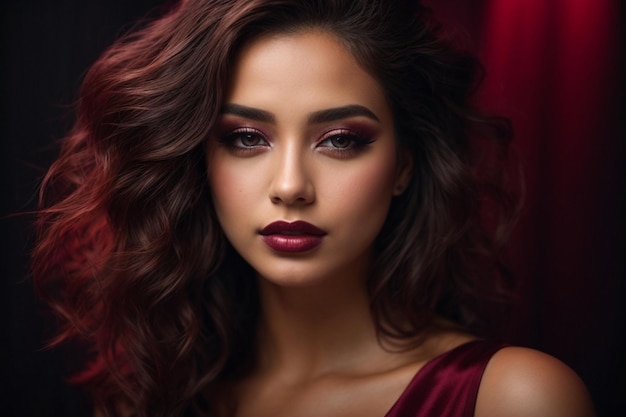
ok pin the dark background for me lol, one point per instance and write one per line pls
(553, 67)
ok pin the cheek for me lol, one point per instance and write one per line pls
(227, 190)
(365, 192)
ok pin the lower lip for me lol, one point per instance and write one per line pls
(292, 244)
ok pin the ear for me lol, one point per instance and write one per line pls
(404, 172)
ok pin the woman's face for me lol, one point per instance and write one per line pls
(303, 163)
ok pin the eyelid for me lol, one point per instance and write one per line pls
(358, 142)
(230, 138)
(356, 136)
(231, 134)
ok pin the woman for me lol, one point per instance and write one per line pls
(277, 208)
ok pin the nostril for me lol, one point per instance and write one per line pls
(301, 194)
(291, 182)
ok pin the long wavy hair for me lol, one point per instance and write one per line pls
(130, 253)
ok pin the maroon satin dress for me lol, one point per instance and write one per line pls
(447, 385)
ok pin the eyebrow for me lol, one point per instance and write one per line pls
(321, 116)
(248, 113)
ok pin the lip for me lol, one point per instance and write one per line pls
(298, 236)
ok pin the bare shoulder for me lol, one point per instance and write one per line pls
(521, 382)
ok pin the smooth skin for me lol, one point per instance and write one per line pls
(307, 134)
(272, 159)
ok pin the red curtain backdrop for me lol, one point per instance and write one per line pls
(552, 67)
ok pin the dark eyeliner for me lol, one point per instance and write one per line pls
(229, 140)
(357, 143)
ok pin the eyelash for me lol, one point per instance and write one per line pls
(356, 142)
(230, 140)
(354, 147)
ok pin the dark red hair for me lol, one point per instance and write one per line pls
(130, 253)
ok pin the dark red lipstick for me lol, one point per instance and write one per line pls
(293, 237)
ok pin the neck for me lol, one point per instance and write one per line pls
(315, 329)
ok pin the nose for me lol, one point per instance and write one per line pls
(291, 182)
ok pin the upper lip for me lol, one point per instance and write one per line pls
(292, 228)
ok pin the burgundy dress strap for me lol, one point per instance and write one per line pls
(447, 385)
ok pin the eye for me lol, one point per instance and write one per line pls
(244, 139)
(343, 143)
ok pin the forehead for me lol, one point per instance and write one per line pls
(309, 66)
